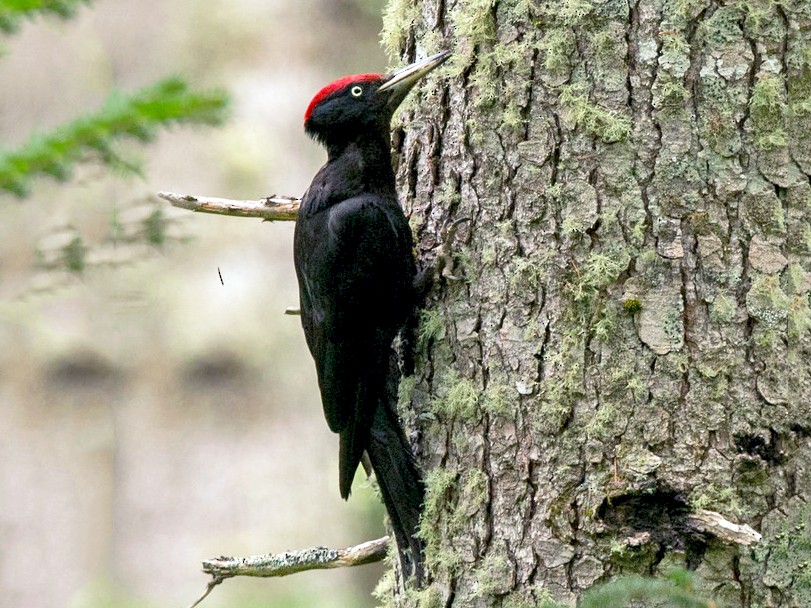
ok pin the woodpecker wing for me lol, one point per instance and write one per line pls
(355, 287)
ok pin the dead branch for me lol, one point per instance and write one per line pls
(720, 527)
(291, 562)
(272, 208)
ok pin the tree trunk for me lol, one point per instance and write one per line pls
(623, 333)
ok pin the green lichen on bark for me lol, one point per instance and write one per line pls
(456, 398)
(451, 501)
(399, 18)
(500, 400)
(607, 125)
(431, 328)
(784, 559)
(769, 112)
(766, 301)
(474, 22)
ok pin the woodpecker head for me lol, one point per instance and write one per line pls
(362, 103)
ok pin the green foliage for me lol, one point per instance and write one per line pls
(677, 588)
(12, 12)
(155, 228)
(64, 253)
(137, 116)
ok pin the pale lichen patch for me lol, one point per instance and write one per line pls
(765, 256)
(659, 322)
(766, 301)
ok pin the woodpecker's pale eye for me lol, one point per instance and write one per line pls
(357, 91)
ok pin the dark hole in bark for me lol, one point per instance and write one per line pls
(801, 430)
(652, 512)
(755, 445)
(658, 517)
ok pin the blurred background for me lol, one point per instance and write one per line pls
(152, 416)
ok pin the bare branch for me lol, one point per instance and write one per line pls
(291, 562)
(720, 527)
(272, 208)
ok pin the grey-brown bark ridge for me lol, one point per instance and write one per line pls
(630, 340)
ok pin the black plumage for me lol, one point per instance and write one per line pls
(355, 266)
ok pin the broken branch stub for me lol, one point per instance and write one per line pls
(272, 208)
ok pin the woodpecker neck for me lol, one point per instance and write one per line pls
(367, 159)
(355, 167)
(366, 139)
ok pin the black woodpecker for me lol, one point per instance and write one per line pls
(355, 265)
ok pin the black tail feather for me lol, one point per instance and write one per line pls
(400, 485)
(350, 453)
(399, 479)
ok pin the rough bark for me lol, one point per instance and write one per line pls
(630, 340)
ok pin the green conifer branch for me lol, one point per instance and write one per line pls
(138, 116)
(12, 12)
